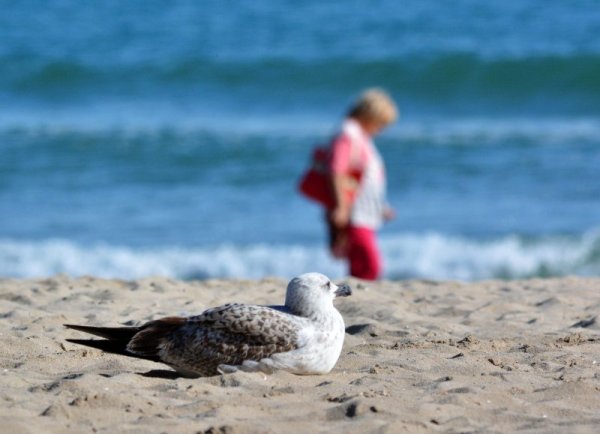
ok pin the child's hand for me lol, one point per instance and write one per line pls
(389, 213)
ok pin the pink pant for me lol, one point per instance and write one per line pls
(363, 253)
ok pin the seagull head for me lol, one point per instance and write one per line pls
(313, 292)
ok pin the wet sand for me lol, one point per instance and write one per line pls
(419, 356)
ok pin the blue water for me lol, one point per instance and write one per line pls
(158, 137)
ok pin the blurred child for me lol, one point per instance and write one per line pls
(353, 223)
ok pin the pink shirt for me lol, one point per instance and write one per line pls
(351, 150)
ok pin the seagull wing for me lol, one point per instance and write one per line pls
(228, 334)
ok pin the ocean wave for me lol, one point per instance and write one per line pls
(430, 256)
(41, 128)
(437, 256)
(42, 258)
(309, 30)
(480, 131)
(570, 81)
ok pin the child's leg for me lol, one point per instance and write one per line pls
(363, 253)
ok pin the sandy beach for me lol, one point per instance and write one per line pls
(419, 356)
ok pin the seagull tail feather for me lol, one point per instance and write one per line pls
(106, 345)
(149, 341)
(144, 342)
(123, 334)
(116, 339)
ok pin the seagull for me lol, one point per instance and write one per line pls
(305, 336)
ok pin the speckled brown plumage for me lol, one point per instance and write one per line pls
(227, 334)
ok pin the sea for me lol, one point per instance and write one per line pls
(155, 137)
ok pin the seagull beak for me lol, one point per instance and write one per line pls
(343, 290)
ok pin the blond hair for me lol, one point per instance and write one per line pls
(374, 105)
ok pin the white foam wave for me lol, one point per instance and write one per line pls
(436, 256)
(438, 131)
(479, 131)
(431, 256)
(43, 258)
